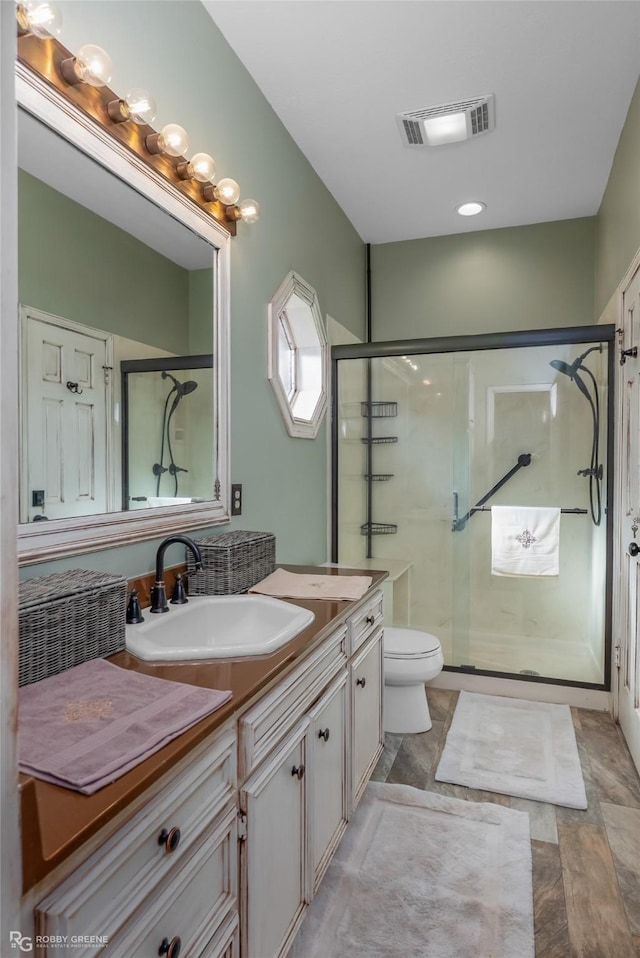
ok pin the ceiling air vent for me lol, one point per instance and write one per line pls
(449, 122)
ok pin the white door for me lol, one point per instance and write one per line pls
(328, 808)
(628, 592)
(64, 420)
(273, 864)
(367, 737)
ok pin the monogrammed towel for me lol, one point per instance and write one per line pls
(525, 540)
(86, 727)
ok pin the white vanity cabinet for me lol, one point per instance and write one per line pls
(223, 860)
(307, 750)
(167, 878)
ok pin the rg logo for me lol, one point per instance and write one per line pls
(20, 941)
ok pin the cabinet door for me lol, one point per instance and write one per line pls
(328, 795)
(366, 713)
(273, 855)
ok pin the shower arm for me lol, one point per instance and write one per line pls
(459, 523)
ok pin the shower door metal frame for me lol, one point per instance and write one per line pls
(560, 336)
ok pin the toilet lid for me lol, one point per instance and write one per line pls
(409, 643)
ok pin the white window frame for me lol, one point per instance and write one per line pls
(307, 335)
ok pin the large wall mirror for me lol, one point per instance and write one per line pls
(123, 285)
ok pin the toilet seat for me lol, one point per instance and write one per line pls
(409, 644)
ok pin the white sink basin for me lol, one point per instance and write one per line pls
(213, 627)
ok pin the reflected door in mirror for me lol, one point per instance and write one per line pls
(64, 396)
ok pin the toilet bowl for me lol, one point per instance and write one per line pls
(411, 658)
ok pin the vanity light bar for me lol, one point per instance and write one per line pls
(82, 80)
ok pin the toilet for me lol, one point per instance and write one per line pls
(411, 658)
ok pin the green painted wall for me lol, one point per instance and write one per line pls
(618, 230)
(74, 264)
(175, 50)
(200, 311)
(526, 277)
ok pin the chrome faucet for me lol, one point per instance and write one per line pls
(158, 591)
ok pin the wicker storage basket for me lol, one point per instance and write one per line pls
(233, 562)
(68, 618)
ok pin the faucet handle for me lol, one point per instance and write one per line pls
(179, 596)
(158, 598)
(134, 615)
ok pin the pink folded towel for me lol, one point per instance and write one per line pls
(296, 585)
(86, 727)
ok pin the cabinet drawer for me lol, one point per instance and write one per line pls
(226, 942)
(266, 724)
(101, 895)
(192, 905)
(365, 621)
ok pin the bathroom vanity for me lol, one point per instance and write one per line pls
(215, 845)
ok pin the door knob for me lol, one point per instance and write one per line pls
(634, 548)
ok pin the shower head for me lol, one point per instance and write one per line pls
(571, 369)
(182, 389)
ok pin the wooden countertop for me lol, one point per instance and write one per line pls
(57, 821)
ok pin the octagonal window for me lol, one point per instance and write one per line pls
(298, 356)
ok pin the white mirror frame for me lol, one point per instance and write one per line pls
(39, 542)
(293, 284)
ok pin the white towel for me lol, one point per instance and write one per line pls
(525, 540)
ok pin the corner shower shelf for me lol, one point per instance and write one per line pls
(378, 410)
(378, 440)
(378, 529)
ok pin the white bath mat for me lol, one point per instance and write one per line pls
(419, 875)
(526, 749)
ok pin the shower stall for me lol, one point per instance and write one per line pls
(428, 436)
(167, 439)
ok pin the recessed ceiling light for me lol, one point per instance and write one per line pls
(471, 209)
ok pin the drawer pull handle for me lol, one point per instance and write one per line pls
(298, 772)
(370, 619)
(170, 839)
(170, 948)
(361, 682)
(324, 733)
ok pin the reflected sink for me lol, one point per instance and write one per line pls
(217, 626)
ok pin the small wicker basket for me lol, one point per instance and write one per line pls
(233, 562)
(68, 618)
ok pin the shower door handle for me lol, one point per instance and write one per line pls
(634, 549)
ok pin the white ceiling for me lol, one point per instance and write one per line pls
(338, 71)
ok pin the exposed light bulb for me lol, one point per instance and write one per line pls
(92, 65)
(200, 167)
(249, 211)
(471, 209)
(228, 191)
(42, 20)
(172, 140)
(138, 106)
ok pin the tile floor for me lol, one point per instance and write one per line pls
(586, 864)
